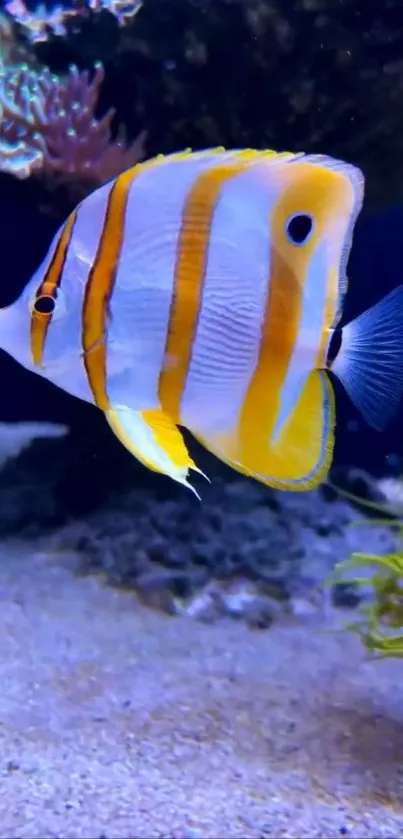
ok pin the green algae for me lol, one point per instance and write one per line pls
(380, 621)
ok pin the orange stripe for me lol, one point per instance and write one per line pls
(190, 271)
(316, 191)
(280, 330)
(100, 285)
(49, 286)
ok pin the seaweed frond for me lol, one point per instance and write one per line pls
(380, 622)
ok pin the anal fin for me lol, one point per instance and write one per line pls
(153, 438)
(301, 455)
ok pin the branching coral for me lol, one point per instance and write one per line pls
(41, 21)
(38, 22)
(48, 126)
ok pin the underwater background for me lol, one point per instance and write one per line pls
(313, 75)
(195, 74)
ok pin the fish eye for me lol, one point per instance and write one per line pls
(299, 228)
(44, 305)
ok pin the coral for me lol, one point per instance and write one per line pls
(37, 22)
(319, 76)
(13, 50)
(42, 22)
(48, 126)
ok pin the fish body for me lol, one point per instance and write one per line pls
(203, 290)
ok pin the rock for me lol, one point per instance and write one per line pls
(155, 589)
(227, 557)
(346, 595)
(246, 551)
(17, 436)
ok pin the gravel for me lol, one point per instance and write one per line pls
(118, 721)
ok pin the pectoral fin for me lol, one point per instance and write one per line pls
(154, 440)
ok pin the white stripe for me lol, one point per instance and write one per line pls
(228, 337)
(306, 348)
(142, 295)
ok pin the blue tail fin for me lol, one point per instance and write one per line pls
(370, 361)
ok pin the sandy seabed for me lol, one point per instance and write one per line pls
(116, 721)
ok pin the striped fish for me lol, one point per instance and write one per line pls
(204, 290)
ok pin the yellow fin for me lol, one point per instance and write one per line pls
(244, 154)
(301, 457)
(154, 440)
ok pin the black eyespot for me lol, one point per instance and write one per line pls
(299, 228)
(44, 305)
